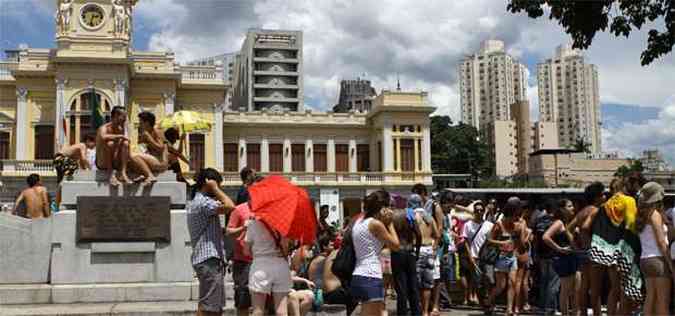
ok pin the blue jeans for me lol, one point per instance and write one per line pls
(549, 286)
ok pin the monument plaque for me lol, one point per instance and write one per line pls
(120, 219)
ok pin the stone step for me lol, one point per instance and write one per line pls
(130, 309)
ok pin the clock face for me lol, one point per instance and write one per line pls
(92, 16)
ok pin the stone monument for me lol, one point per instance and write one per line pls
(107, 244)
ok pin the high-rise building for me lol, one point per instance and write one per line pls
(489, 83)
(357, 95)
(269, 74)
(568, 95)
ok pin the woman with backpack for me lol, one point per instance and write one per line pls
(560, 240)
(369, 235)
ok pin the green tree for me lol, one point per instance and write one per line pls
(635, 166)
(458, 148)
(582, 19)
(582, 146)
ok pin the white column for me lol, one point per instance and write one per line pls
(309, 156)
(331, 155)
(60, 109)
(218, 136)
(264, 155)
(22, 123)
(352, 155)
(120, 92)
(287, 154)
(387, 149)
(169, 101)
(241, 153)
(426, 149)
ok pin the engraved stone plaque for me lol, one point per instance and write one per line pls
(129, 218)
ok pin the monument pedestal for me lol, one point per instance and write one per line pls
(50, 261)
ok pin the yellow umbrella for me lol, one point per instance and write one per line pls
(188, 121)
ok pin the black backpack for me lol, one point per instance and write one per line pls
(345, 260)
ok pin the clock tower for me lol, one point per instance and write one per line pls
(93, 29)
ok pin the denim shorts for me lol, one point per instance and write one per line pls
(366, 289)
(565, 265)
(449, 268)
(506, 264)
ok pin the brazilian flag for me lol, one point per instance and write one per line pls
(97, 117)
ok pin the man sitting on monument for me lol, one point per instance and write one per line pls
(73, 157)
(206, 238)
(172, 136)
(112, 147)
(35, 199)
(154, 157)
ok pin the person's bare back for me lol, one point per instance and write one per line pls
(36, 201)
(427, 227)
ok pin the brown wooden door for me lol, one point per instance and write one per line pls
(276, 157)
(342, 158)
(253, 156)
(196, 152)
(320, 158)
(363, 157)
(4, 145)
(44, 142)
(407, 155)
(298, 157)
(230, 159)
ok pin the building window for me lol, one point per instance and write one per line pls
(298, 157)
(276, 157)
(341, 158)
(230, 159)
(363, 157)
(4, 145)
(196, 151)
(44, 142)
(253, 156)
(419, 154)
(80, 117)
(407, 155)
(320, 158)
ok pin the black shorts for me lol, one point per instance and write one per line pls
(240, 273)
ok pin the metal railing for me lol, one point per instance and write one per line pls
(26, 167)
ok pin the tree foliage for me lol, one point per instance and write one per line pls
(458, 148)
(582, 146)
(583, 19)
(635, 166)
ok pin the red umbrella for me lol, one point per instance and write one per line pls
(285, 208)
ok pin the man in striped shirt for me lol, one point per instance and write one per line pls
(206, 237)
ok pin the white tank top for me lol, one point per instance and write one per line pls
(367, 248)
(650, 248)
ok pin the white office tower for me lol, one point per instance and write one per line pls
(489, 83)
(568, 96)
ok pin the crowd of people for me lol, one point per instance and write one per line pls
(610, 248)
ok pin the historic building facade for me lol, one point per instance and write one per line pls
(45, 93)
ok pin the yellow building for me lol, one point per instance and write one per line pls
(44, 104)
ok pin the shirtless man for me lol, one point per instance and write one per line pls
(112, 147)
(333, 291)
(427, 267)
(580, 227)
(35, 198)
(155, 159)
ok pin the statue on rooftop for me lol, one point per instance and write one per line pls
(63, 13)
(121, 14)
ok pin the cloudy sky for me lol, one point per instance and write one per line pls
(422, 41)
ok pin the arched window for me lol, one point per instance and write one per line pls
(79, 116)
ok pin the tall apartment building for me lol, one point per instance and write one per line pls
(357, 95)
(569, 96)
(227, 61)
(269, 73)
(490, 82)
